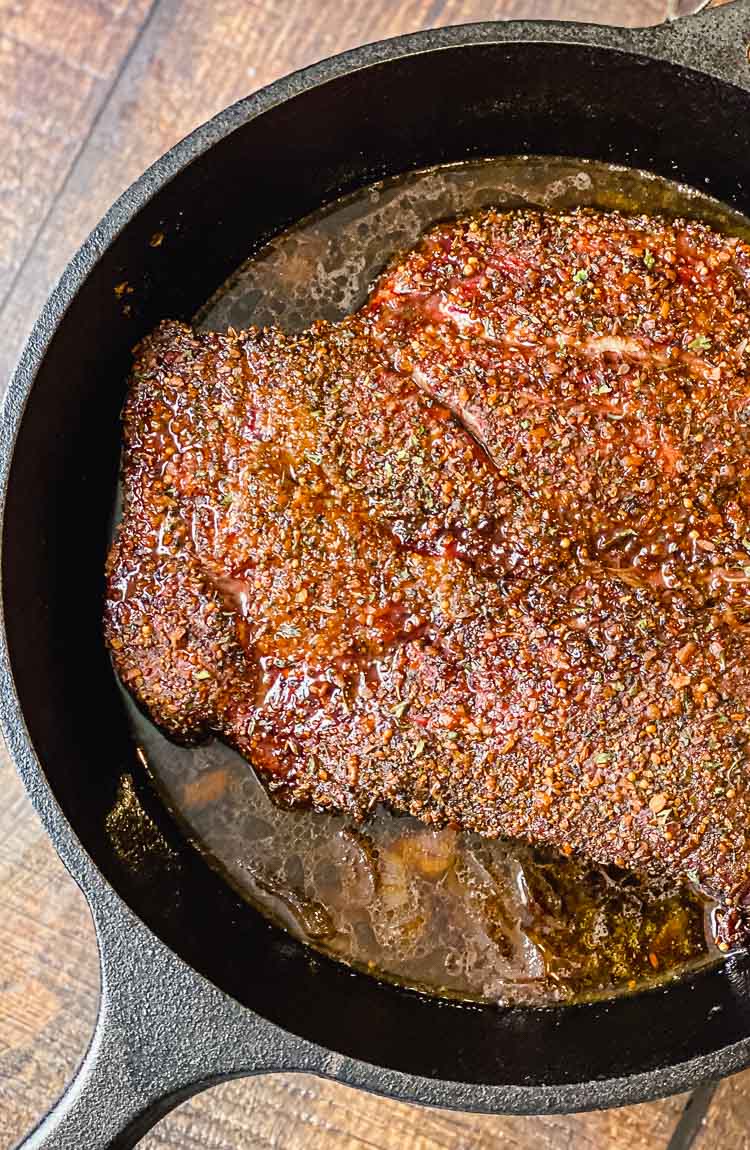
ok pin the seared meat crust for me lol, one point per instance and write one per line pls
(479, 552)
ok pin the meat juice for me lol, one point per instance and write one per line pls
(446, 912)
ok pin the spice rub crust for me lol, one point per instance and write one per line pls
(480, 552)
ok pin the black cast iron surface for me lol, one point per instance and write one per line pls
(196, 985)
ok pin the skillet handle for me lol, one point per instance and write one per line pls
(163, 1034)
(712, 38)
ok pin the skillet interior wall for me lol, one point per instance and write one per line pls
(419, 111)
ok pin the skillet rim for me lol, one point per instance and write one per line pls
(674, 45)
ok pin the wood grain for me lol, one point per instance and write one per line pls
(192, 59)
(49, 972)
(58, 62)
(302, 1113)
(727, 1123)
(48, 995)
(91, 92)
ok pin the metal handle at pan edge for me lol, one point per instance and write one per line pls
(163, 1033)
(700, 34)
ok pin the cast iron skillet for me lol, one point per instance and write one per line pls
(196, 986)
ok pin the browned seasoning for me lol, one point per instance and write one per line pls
(480, 552)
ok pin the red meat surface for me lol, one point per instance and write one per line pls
(480, 552)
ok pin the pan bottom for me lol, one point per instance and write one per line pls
(451, 914)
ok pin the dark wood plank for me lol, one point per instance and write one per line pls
(193, 60)
(48, 993)
(303, 1113)
(49, 973)
(727, 1123)
(58, 62)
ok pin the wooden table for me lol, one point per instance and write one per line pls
(91, 91)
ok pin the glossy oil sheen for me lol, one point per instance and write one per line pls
(636, 99)
(451, 914)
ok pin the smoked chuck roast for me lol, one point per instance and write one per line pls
(480, 552)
